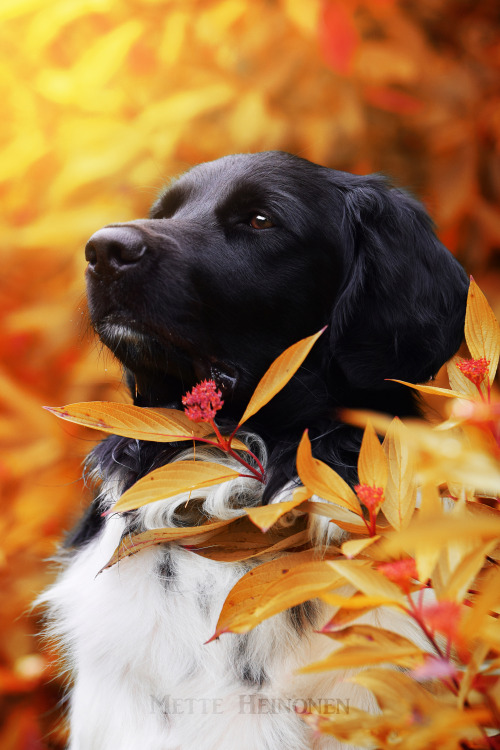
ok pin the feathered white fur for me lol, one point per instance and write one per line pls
(134, 639)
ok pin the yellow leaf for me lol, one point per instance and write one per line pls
(141, 423)
(372, 463)
(273, 587)
(442, 531)
(172, 479)
(353, 547)
(465, 573)
(368, 581)
(482, 332)
(432, 389)
(458, 381)
(401, 490)
(131, 545)
(427, 553)
(360, 656)
(393, 688)
(323, 481)
(265, 516)
(369, 635)
(486, 601)
(158, 425)
(346, 519)
(279, 373)
(356, 602)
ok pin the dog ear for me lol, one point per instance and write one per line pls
(401, 310)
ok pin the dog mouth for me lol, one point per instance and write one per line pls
(164, 367)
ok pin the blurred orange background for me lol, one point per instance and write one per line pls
(102, 101)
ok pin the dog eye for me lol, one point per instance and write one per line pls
(261, 221)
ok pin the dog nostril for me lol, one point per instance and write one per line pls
(113, 249)
(90, 253)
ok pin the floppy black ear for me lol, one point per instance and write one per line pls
(400, 313)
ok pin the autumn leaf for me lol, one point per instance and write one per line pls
(368, 581)
(401, 489)
(172, 479)
(131, 545)
(482, 332)
(372, 463)
(265, 516)
(279, 373)
(274, 587)
(141, 423)
(322, 480)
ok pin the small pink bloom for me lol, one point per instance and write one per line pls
(371, 497)
(203, 401)
(474, 370)
(400, 572)
(434, 668)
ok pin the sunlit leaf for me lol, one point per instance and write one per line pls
(482, 332)
(368, 581)
(353, 547)
(159, 425)
(465, 573)
(172, 479)
(266, 515)
(401, 490)
(458, 381)
(279, 373)
(349, 657)
(322, 480)
(273, 587)
(372, 463)
(432, 389)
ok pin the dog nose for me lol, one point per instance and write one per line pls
(113, 250)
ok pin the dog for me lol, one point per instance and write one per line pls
(240, 258)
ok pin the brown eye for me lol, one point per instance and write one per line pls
(260, 221)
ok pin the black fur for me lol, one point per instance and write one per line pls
(196, 292)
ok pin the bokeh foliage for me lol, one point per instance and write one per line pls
(102, 100)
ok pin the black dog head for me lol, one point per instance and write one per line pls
(243, 256)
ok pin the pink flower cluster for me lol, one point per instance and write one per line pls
(474, 370)
(203, 401)
(371, 497)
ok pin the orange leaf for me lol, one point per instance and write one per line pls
(368, 581)
(353, 547)
(273, 587)
(158, 425)
(465, 573)
(323, 481)
(482, 332)
(279, 373)
(360, 656)
(432, 389)
(265, 516)
(372, 463)
(172, 479)
(141, 423)
(401, 490)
